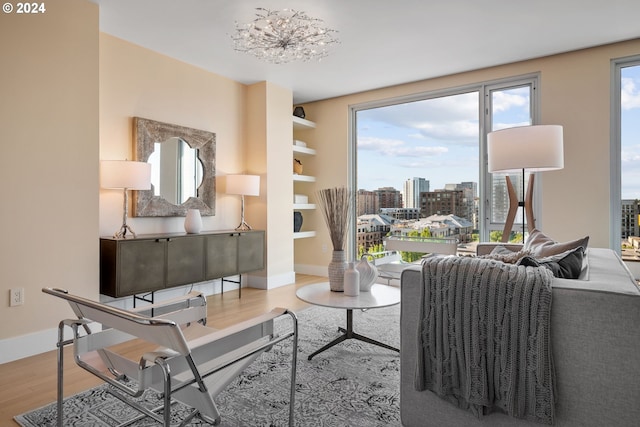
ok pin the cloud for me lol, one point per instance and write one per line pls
(630, 93)
(409, 114)
(398, 148)
(453, 132)
(506, 100)
(434, 169)
(451, 118)
(630, 156)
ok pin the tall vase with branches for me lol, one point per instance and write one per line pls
(335, 204)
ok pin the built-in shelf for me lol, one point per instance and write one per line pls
(300, 123)
(303, 178)
(304, 234)
(301, 150)
(303, 206)
(304, 150)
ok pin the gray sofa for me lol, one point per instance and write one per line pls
(595, 330)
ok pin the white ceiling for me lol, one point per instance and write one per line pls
(382, 42)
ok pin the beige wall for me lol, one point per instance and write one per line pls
(138, 82)
(575, 93)
(49, 164)
(269, 150)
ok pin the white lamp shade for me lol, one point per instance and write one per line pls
(125, 174)
(534, 148)
(246, 185)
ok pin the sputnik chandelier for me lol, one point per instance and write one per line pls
(281, 36)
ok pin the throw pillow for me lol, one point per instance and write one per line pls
(541, 245)
(566, 265)
(506, 255)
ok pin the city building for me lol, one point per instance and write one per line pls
(388, 197)
(443, 202)
(401, 213)
(446, 226)
(372, 229)
(630, 212)
(412, 189)
(500, 196)
(366, 203)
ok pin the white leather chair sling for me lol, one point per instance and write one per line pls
(173, 353)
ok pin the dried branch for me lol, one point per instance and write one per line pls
(336, 209)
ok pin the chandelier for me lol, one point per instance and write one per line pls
(283, 36)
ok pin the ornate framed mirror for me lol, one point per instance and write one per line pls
(182, 169)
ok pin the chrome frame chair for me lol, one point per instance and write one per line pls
(182, 359)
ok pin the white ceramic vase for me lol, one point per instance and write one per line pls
(368, 273)
(193, 221)
(351, 281)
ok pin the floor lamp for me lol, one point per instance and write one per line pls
(525, 148)
(125, 175)
(244, 185)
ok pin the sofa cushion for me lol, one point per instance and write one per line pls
(541, 245)
(567, 265)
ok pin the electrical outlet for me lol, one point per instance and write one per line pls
(324, 247)
(16, 297)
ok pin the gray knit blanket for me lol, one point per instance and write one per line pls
(484, 342)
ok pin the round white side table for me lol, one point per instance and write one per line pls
(320, 294)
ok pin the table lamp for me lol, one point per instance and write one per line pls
(244, 185)
(125, 175)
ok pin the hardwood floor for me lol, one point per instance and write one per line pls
(31, 382)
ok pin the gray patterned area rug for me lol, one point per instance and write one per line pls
(352, 384)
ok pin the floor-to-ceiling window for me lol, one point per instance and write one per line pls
(626, 154)
(508, 107)
(418, 164)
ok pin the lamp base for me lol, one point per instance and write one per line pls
(527, 205)
(122, 233)
(243, 226)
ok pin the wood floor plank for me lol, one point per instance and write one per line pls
(30, 383)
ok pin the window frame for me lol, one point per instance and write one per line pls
(484, 123)
(531, 81)
(615, 188)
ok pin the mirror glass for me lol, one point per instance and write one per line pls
(182, 169)
(176, 170)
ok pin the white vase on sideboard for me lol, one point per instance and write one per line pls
(193, 221)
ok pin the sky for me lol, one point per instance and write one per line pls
(433, 139)
(437, 139)
(630, 132)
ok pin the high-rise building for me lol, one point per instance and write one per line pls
(367, 203)
(443, 202)
(630, 212)
(470, 200)
(500, 197)
(412, 189)
(388, 197)
(473, 186)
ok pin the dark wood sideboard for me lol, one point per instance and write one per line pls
(153, 262)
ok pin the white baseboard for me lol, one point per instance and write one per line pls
(313, 270)
(271, 282)
(31, 344)
(28, 345)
